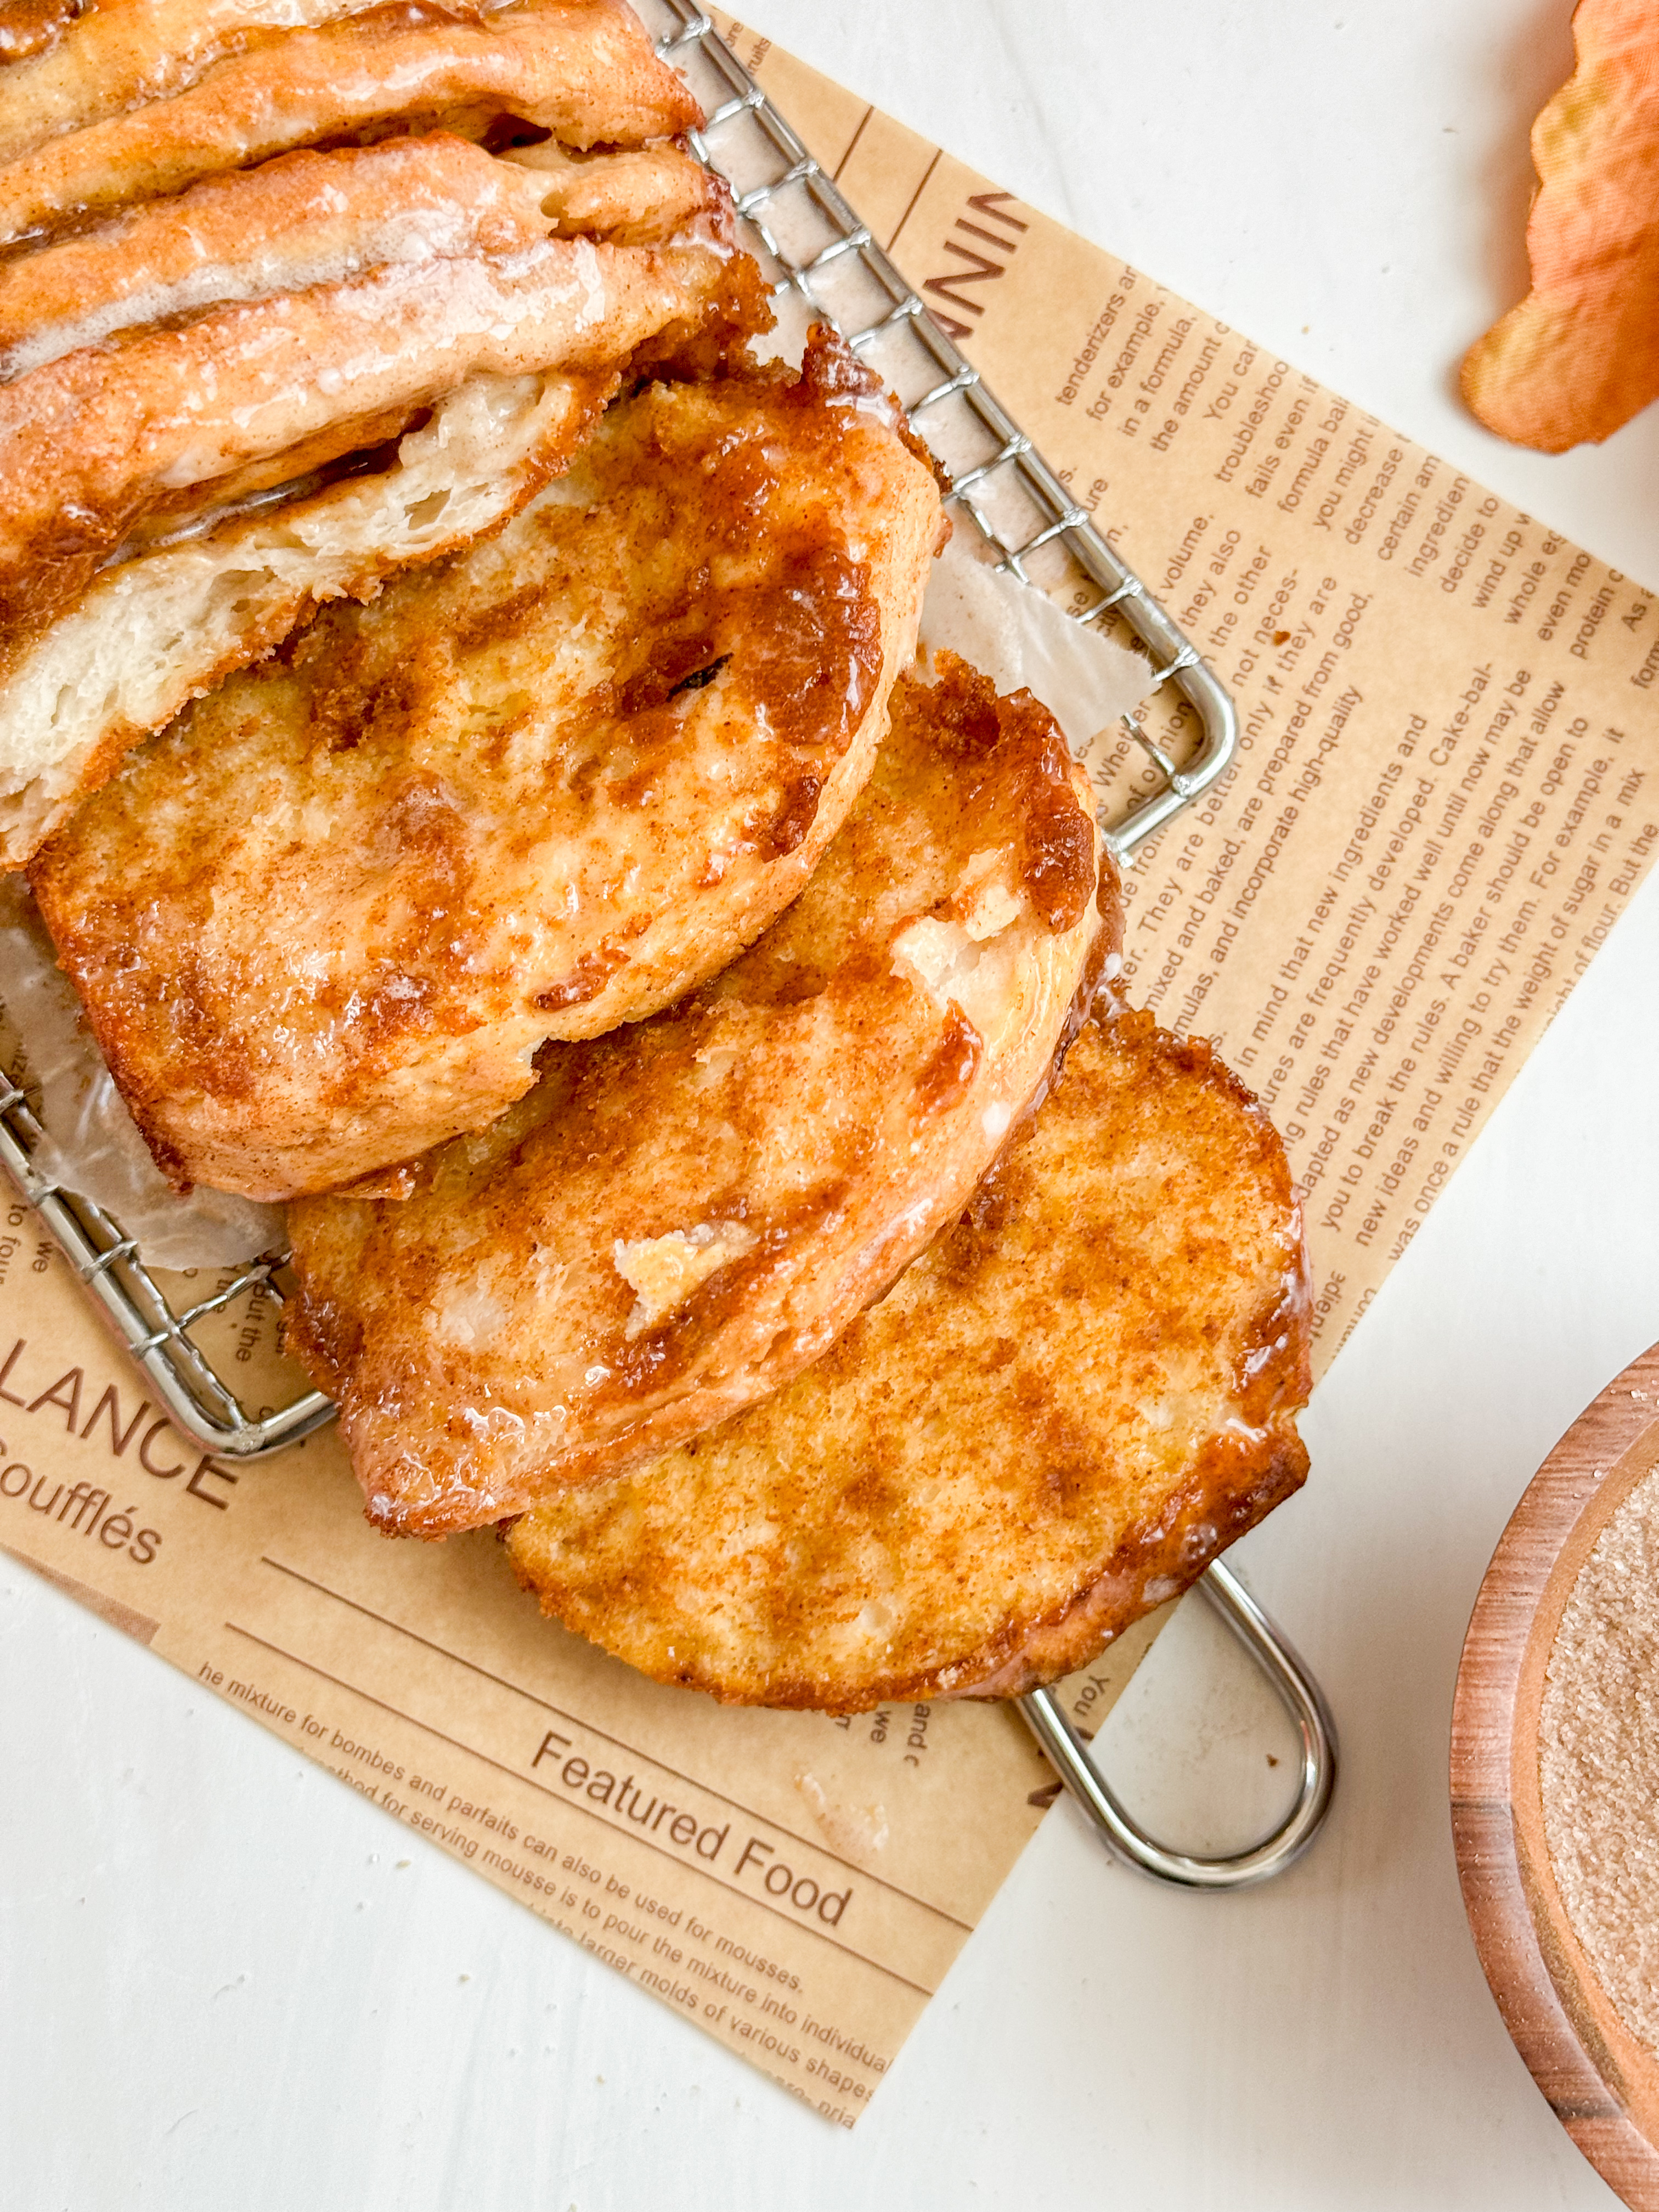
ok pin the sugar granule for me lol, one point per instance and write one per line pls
(1598, 1759)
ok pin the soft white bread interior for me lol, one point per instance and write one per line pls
(253, 393)
(153, 633)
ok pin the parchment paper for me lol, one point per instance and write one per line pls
(1443, 802)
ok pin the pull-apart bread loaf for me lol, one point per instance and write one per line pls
(684, 1214)
(326, 920)
(1081, 1393)
(299, 309)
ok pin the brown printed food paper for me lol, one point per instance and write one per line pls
(1442, 803)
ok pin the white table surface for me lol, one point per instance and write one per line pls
(226, 1983)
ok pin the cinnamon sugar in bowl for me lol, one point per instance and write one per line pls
(1555, 1780)
(1598, 1758)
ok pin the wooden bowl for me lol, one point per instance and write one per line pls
(1601, 2083)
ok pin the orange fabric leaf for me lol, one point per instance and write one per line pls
(1580, 355)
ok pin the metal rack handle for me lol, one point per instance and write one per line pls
(1302, 1697)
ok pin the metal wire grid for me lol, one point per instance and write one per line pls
(822, 263)
(155, 1324)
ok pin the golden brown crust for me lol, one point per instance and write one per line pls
(267, 331)
(326, 920)
(710, 338)
(1230, 1492)
(28, 27)
(684, 1213)
(846, 375)
(1057, 845)
(92, 442)
(308, 218)
(584, 71)
(301, 220)
(1080, 1392)
(90, 59)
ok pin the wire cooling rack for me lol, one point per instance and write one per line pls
(820, 261)
(823, 262)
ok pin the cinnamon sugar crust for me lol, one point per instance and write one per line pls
(91, 60)
(1080, 1394)
(307, 219)
(582, 70)
(326, 920)
(686, 1212)
(296, 243)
